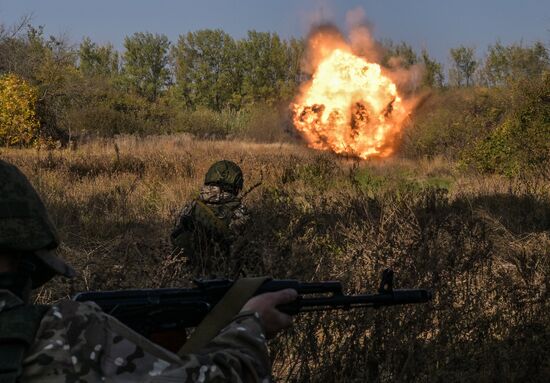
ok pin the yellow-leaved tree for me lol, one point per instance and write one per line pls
(19, 125)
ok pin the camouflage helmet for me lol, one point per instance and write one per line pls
(25, 227)
(225, 174)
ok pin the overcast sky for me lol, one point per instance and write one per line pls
(434, 24)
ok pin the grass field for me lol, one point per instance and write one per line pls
(481, 243)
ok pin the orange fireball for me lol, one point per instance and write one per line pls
(349, 106)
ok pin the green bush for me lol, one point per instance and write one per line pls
(522, 141)
(449, 121)
(264, 123)
(258, 122)
(204, 122)
(115, 113)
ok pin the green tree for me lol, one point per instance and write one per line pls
(97, 60)
(514, 62)
(49, 63)
(398, 55)
(146, 64)
(208, 69)
(463, 66)
(295, 76)
(433, 71)
(269, 66)
(521, 141)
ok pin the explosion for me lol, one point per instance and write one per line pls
(349, 106)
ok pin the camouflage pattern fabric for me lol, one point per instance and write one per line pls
(211, 254)
(77, 342)
(227, 206)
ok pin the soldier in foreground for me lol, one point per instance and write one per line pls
(72, 341)
(209, 226)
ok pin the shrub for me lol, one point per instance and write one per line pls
(111, 113)
(522, 141)
(449, 121)
(265, 123)
(204, 122)
(19, 125)
(258, 122)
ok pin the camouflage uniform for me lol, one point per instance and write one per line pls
(77, 342)
(227, 206)
(207, 241)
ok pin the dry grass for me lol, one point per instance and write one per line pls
(481, 243)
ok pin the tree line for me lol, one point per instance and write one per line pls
(154, 85)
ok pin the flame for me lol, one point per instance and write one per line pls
(349, 106)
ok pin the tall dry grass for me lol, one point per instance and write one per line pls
(481, 243)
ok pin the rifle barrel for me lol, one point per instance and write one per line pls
(396, 297)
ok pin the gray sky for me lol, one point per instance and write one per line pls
(434, 24)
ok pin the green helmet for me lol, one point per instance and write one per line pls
(225, 174)
(25, 227)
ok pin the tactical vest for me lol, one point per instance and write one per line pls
(18, 327)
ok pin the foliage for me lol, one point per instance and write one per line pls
(97, 60)
(110, 111)
(464, 66)
(432, 76)
(270, 67)
(213, 85)
(521, 143)
(450, 121)
(264, 123)
(204, 122)
(18, 122)
(145, 68)
(208, 69)
(258, 123)
(214, 70)
(49, 65)
(506, 64)
(398, 55)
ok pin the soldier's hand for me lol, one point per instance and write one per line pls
(265, 305)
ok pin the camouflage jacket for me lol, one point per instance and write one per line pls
(226, 206)
(208, 228)
(77, 342)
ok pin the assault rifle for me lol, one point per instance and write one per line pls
(172, 310)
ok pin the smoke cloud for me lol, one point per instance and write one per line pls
(361, 41)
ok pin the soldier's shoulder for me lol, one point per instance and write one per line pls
(188, 208)
(70, 308)
(70, 318)
(71, 337)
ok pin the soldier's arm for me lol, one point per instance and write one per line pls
(245, 338)
(239, 219)
(79, 340)
(181, 222)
